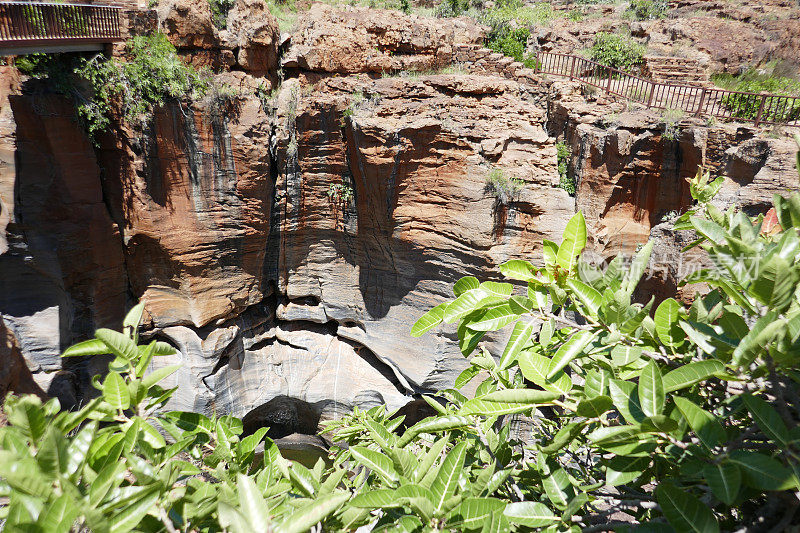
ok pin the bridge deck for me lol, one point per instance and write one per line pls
(27, 27)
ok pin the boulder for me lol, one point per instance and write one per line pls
(15, 377)
(187, 23)
(283, 416)
(253, 31)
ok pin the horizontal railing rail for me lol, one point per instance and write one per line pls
(34, 23)
(759, 108)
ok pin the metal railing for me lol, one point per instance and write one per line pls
(760, 108)
(34, 23)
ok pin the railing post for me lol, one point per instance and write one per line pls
(608, 85)
(702, 102)
(761, 108)
(652, 92)
(572, 69)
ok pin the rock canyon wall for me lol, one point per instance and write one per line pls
(285, 239)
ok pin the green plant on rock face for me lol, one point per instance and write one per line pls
(152, 74)
(219, 12)
(699, 402)
(648, 9)
(340, 193)
(672, 119)
(617, 51)
(504, 188)
(564, 154)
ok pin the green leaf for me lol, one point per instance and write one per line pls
(132, 511)
(473, 512)
(651, 390)
(304, 518)
(115, 391)
(375, 499)
(494, 318)
(623, 470)
(529, 514)
(131, 322)
(445, 484)
(376, 461)
(637, 268)
(704, 424)
(667, 326)
(118, 343)
(507, 401)
(87, 348)
(430, 320)
(252, 504)
(625, 355)
(535, 368)
(708, 229)
(574, 242)
(564, 436)
(569, 351)
(586, 295)
(612, 434)
(724, 479)
(691, 373)
(231, 519)
(557, 487)
(58, 515)
(767, 419)
(518, 269)
(159, 374)
(763, 472)
(761, 335)
(467, 283)
(626, 400)
(594, 407)
(433, 425)
(496, 288)
(684, 512)
(549, 252)
(464, 304)
(520, 336)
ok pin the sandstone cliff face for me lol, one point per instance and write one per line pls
(285, 245)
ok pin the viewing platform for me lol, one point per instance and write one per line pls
(40, 27)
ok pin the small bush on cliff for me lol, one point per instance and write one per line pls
(648, 9)
(513, 43)
(564, 154)
(504, 188)
(617, 51)
(219, 11)
(152, 74)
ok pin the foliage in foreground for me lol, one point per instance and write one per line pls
(699, 401)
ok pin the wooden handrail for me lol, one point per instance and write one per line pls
(759, 108)
(35, 23)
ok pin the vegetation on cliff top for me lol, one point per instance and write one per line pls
(676, 417)
(151, 74)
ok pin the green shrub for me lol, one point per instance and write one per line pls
(502, 187)
(512, 43)
(219, 11)
(617, 51)
(152, 74)
(746, 106)
(648, 9)
(509, 14)
(563, 156)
